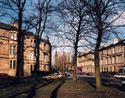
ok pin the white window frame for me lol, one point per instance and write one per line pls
(120, 59)
(119, 48)
(11, 50)
(14, 35)
(14, 49)
(31, 55)
(12, 64)
(31, 42)
(11, 35)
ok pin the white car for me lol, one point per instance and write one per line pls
(123, 82)
(119, 75)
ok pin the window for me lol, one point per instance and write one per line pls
(120, 59)
(14, 35)
(110, 69)
(110, 59)
(107, 52)
(35, 57)
(31, 42)
(102, 69)
(120, 48)
(114, 60)
(45, 57)
(44, 46)
(44, 67)
(11, 50)
(110, 51)
(107, 69)
(115, 69)
(14, 49)
(31, 55)
(11, 35)
(106, 60)
(101, 62)
(34, 43)
(12, 64)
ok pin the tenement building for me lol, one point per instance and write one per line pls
(85, 62)
(8, 51)
(111, 58)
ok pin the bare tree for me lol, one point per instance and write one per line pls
(101, 14)
(11, 7)
(73, 15)
(38, 21)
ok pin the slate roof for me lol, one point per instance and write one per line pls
(7, 26)
(122, 42)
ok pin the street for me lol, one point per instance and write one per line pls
(106, 81)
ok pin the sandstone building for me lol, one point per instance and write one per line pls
(8, 51)
(63, 62)
(111, 58)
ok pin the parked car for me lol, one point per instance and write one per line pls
(67, 74)
(107, 75)
(123, 82)
(4, 75)
(90, 74)
(53, 76)
(119, 75)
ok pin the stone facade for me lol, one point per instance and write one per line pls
(8, 51)
(85, 62)
(111, 58)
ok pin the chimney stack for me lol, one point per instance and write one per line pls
(86, 50)
(106, 44)
(115, 41)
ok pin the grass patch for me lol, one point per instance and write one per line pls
(18, 88)
(82, 89)
(46, 92)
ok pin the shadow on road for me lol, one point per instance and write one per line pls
(32, 91)
(92, 84)
(119, 87)
(55, 91)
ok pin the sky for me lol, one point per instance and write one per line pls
(54, 20)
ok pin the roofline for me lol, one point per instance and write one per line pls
(10, 27)
(104, 48)
(7, 26)
(112, 45)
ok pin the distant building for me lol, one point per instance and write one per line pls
(8, 51)
(63, 62)
(111, 58)
(85, 63)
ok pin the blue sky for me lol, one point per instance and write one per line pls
(54, 20)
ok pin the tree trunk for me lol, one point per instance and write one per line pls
(75, 62)
(37, 50)
(20, 47)
(97, 69)
(74, 73)
(96, 61)
(76, 49)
